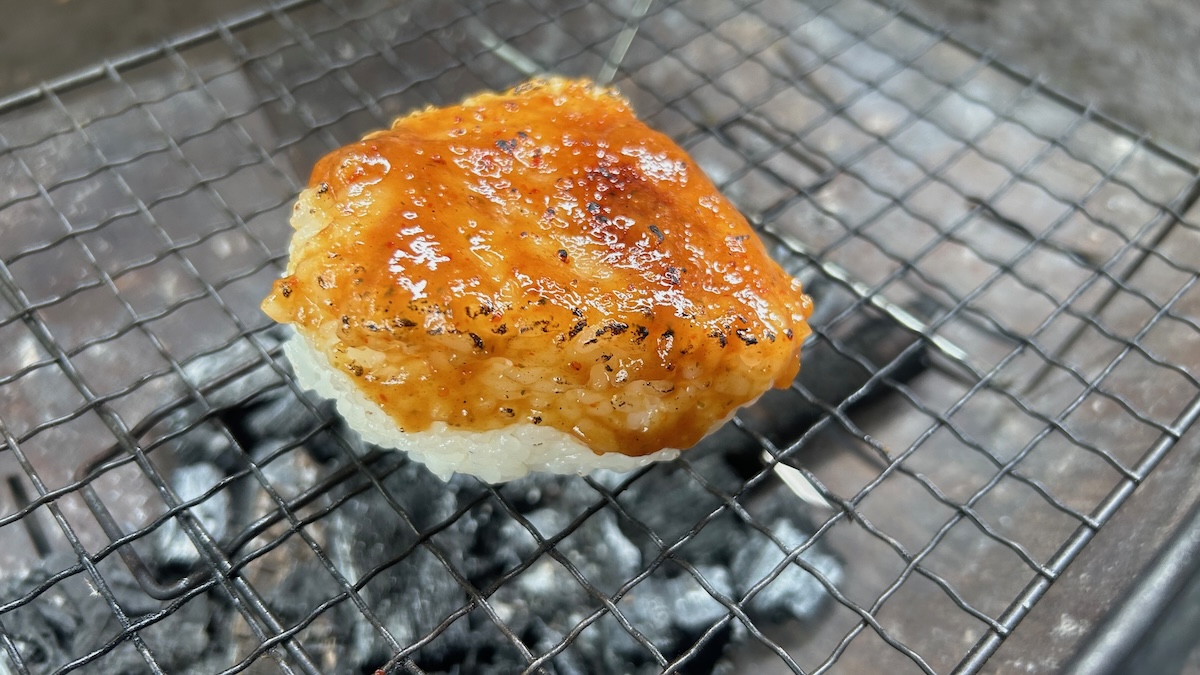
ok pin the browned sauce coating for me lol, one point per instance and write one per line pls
(544, 224)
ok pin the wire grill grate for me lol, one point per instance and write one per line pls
(144, 215)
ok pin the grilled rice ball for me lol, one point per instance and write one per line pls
(531, 280)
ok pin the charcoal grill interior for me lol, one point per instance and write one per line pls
(1007, 346)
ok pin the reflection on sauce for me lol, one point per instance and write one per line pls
(544, 231)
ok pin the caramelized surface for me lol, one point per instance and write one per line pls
(542, 225)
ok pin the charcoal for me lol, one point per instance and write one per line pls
(501, 543)
(614, 649)
(670, 501)
(289, 470)
(795, 593)
(568, 494)
(569, 661)
(253, 406)
(204, 443)
(189, 641)
(546, 602)
(694, 608)
(43, 631)
(70, 619)
(548, 502)
(190, 481)
(540, 604)
(415, 594)
(205, 371)
(279, 414)
(669, 612)
(602, 553)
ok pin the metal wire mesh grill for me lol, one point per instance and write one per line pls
(144, 216)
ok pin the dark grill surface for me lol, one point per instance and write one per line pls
(1008, 342)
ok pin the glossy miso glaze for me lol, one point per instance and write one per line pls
(544, 220)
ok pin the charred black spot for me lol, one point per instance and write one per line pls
(673, 275)
(507, 411)
(322, 282)
(576, 329)
(501, 329)
(789, 334)
(506, 146)
(356, 369)
(477, 340)
(322, 188)
(605, 357)
(405, 323)
(720, 336)
(746, 337)
(658, 234)
(577, 312)
(562, 254)
(536, 419)
(285, 291)
(434, 331)
(668, 333)
(550, 212)
(618, 327)
(593, 207)
(641, 333)
(770, 336)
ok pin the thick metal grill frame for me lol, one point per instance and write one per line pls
(333, 97)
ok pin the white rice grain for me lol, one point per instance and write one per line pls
(495, 456)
